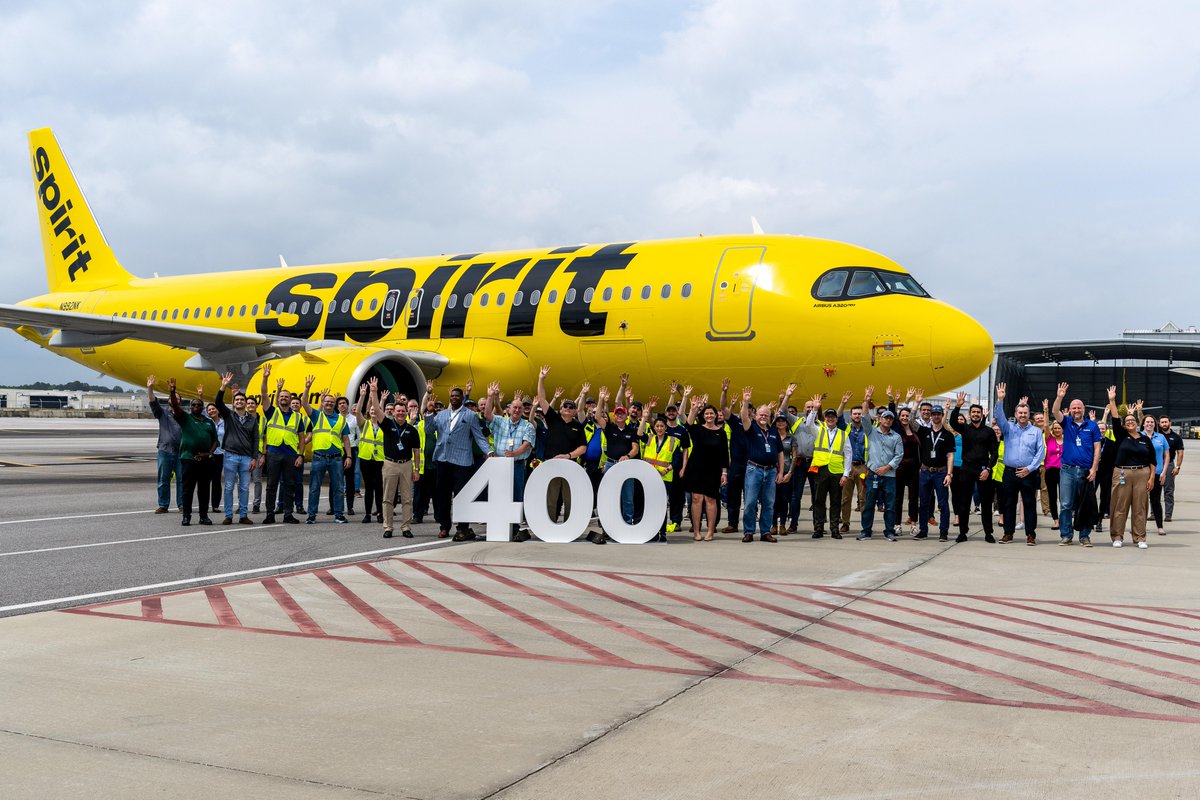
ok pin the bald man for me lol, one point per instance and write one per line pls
(1080, 461)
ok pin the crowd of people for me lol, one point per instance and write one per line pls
(739, 458)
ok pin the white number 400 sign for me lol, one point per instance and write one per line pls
(499, 511)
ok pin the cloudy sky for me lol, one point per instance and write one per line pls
(1032, 163)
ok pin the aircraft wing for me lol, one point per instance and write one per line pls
(216, 349)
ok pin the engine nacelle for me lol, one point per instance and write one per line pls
(342, 370)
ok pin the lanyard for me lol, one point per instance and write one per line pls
(934, 440)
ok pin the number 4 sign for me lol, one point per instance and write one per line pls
(498, 512)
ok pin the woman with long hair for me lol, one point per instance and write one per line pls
(707, 467)
(1054, 451)
(909, 471)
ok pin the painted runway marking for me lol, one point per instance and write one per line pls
(76, 516)
(887, 641)
(222, 529)
(150, 587)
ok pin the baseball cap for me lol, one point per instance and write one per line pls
(619, 410)
(886, 413)
(937, 410)
(829, 412)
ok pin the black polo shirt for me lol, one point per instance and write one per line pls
(935, 446)
(620, 440)
(1175, 442)
(400, 439)
(562, 436)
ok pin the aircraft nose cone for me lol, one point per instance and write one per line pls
(965, 350)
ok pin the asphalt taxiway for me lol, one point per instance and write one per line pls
(264, 662)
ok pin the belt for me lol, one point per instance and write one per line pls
(932, 469)
(761, 466)
(397, 460)
(1141, 467)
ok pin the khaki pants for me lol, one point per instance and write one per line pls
(1129, 501)
(397, 478)
(1044, 493)
(857, 485)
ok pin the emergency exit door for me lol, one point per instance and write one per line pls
(732, 299)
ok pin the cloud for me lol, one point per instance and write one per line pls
(982, 147)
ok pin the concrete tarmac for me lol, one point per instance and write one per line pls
(692, 670)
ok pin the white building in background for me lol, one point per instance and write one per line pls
(68, 398)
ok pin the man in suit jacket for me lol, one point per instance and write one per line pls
(456, 426)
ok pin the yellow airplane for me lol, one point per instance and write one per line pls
(763, 310)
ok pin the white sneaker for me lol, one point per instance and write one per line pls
(1020, 526)
(1118, 543)
(1142, 545)
(1161, 532)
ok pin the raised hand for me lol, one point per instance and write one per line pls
(846, 397)
(960, 399)
(687, 390)
(266, 370)
(674, 388)
(1062, 390)
(200, 390)
(868, 393)
(150, 381)
(746, 394)
(494, 389)
(171, 384)
(1092, 415)
(278, 386)
(908, 395)
(470, 385)
(308, 382)
(429, 387)
(558, 392)
(226, 379)
(1112, 393)
(817, 399)
(1024, 401)
(889, 393)
(383, 397)
(724, 386)
(919, 396)
(587, 387)
(602, 395)
(544, 371)
(1001, 390)
(625, 379)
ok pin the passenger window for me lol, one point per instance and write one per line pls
(154, 314)
(467, 299)
(483, 299)
(292, 307)
(174, 314)
(645, 292)
(831, 285)
(518, 297)
(319, 307)
(437, 301)
(570, 295)
(588, 294)
(185, 313)
(452, 302)
(231, 311)
(242, 311)
(864, 284)
(374, 304)
(607, 295)
(626, 293)
(500, 299)
(686, 291)
(358, 305)
(304, 308)
(666, 291)
(254, 310)
(535, 296)
(552, 298)
(412, 304)
(208, 312)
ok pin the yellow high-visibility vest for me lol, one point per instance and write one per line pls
(660, 457)
(370, 442)
(281, 432)
(829, 453)
(326, 436)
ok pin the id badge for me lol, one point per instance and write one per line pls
(1078, 442)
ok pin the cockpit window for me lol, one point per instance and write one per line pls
(864, 283)
(860, 282)
(831, 285)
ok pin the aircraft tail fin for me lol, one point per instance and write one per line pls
(77, 255)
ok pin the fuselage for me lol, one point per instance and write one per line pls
(761, 310)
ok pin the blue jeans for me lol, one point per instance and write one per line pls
(626, 495)
(932, 483)
(1069, 479)
(237, 469)
(880, 487)
(332, 465)
(168, 464)
(760, 497)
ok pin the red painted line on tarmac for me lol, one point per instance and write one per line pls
(1055, 629)
(683, 623)
(1100, 623)
(220, 606)
(414, 644)
(1105, 711)
(886, 642)
(782, 633)
(495, 640)
(298, 615)
(598, 653)
(152, 608)
(1062, 648)
(1132, 688)
(633, 633)
(363, 607)
(1143, 620)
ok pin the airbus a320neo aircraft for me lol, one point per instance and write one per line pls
(763, 310)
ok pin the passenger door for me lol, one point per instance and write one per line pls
(732, 299)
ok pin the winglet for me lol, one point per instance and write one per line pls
(77, 255)
(754, 226)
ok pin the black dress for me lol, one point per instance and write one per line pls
(710, 455)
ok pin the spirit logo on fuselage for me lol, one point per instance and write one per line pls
(296, 296)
